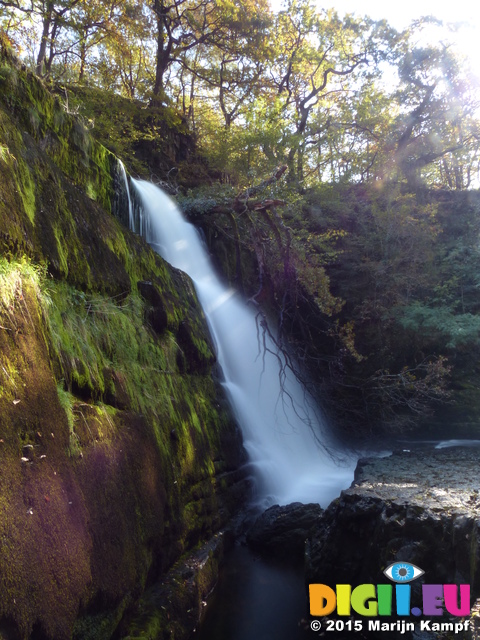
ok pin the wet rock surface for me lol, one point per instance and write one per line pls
(157, 315)
(419, 506)
(283, 530)
(446, 479)
(174, 606)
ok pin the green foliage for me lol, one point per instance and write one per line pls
(403, 272)
(442, 325)
(12, 277)
(127, 128)
(339, 100)
(67, 402)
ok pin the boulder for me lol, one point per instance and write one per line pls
(283, 530)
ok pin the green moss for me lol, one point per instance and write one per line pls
(67, 402)
(93, 336)
(100, 626)
(5, 155)
(14, 276)
(17, 190)
(27, 190)
(35, 520)
(63, 137)
(9, 378)
(61, 250)
(119, 482)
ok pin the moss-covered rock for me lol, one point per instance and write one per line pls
(116, 453)
(150, 140)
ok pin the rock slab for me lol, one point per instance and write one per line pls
(419, 506)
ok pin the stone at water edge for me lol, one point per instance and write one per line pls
(284, 530)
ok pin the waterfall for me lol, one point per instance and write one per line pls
(131, 219)
(281, 425)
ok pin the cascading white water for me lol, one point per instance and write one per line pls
(281, 425)
(131, 221)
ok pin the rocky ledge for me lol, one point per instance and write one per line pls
(414, 506)
(419, 506)
(444, 479)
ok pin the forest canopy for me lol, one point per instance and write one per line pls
(347, 100)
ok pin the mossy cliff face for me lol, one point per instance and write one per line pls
(116, 453)
(150, 140)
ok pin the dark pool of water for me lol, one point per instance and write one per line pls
(257, 599)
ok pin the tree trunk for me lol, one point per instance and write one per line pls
(160, 67)
(164, 47)
(85, 32)
(83, 55)
(42, 53)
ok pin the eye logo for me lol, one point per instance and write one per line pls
(403, 572)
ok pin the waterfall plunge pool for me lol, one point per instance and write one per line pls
(256, 599)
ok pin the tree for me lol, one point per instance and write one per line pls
(215, 45)
(51, 17)
(436, 121)
(68, 30)
(91, 23)
(125, 60)
(181, 25)
(316, 54)
(241, 58)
